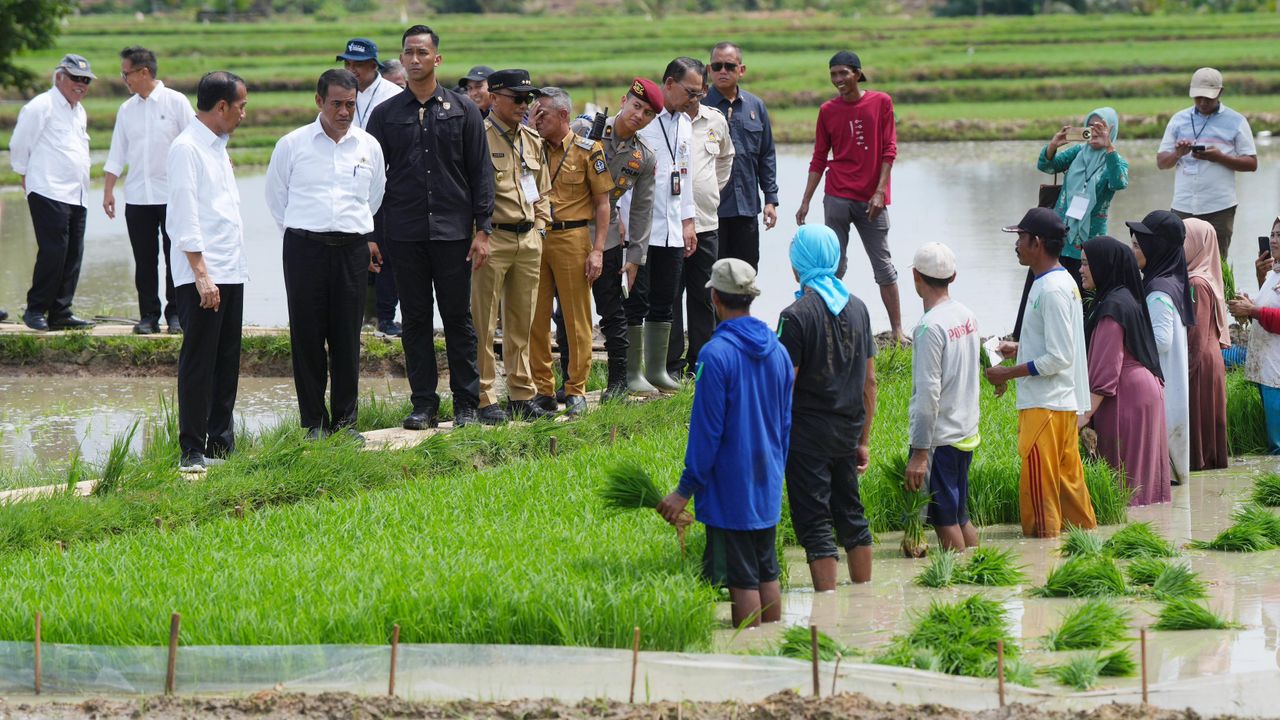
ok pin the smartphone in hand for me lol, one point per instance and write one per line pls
(1264, 245)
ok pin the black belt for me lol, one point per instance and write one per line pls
(519, 228)
(569, 224)
(328, 238)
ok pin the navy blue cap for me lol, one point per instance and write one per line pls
(359, 50)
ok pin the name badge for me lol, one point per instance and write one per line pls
(675, 183)
(1079, 206)
(1189, 166)
(529, 184)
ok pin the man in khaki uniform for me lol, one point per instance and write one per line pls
(572, 256)
(521, 214)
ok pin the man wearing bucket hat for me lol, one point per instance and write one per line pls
(475, 85)
(49, 150)
(1053, 383)
(827, 333)
(738, 436)
(943, 415)
(1207, 144)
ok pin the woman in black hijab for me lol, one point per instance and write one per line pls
(1124, 373)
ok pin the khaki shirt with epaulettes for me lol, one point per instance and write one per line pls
(631, 162)
(512, 156)
(578, 173)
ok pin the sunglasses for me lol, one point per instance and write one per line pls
(693, 94)
(517, 99)
(718, 66)
(80, 80)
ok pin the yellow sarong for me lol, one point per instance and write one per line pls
(1052, 488)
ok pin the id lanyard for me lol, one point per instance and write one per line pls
(671, 149)
(527, 183)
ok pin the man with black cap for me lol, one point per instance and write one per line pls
(49, 150)
(521, 214)
(858, 130)
(1208, 143)
(1053, 383)
(475, 85)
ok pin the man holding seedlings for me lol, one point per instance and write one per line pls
(145, 127)
(324, 185)
(1053, 383)
(827, 333)
(943, 415)
(738, 431)
(438, 205)
(203, 220)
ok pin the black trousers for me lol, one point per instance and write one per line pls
(59, 230)
(1071, 265)
(702, 317)
(443, 265)
(384, 282)
(654, 296)
(324, 285)
(823, 494)
(208, 371)
(740, 238)
(146, 235)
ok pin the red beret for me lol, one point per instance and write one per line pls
(648, 91)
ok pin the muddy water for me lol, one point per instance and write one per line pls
(1244, 588)
(960, 193)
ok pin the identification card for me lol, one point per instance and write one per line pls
(675, 183)
(1079, 206)
(1189, 166)
(529, 184)
(992, 346)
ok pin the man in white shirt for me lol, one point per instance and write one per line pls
(710, 167)
(204, 223)
(672, 238)
(1053, 383)
(324, 184)
(146, 125)
(361, 60)
(1207, 144)
(49, 149)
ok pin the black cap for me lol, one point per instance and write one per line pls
(514, 80)
(1041, 222)
(1162, 224)
(848, 58)
(477, 73)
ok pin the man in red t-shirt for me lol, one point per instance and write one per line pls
(857, 130)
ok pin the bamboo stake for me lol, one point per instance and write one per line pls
(159, 524)
(62, 547)
(836, 675)
(613, 434)
(635, 662)
(239, 512)
(1000, 670)
(553, 443)
(174, 621)
(813, 646)
(39, 665)
(1142, 635)
(395, 649)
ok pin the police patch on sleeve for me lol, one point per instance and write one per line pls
(600, 167)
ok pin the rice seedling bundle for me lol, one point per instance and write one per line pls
(1254, 529)
(1079, 542)
(914, 503)
(628, 486)
(1144, 571)
(1087, 576)
(1138, 540)
(1080, 672)
(1187, 614)
(1246, 420)
(960, 638)
(990, 566)
(941, 570)
(1260, 517)
(797, 643)
(1093, 624)
(1179, 581)
(1266, 490)
(1118, 664)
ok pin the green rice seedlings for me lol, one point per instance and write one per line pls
(1138, 540)
(941, 570)
(1107, 491)
(992, 567)
(914, 503)
(1118, 664)
(1144, 571)
(118, 460)
(1246, 420)
(797, 643)
(1237, 538)
(1179, 581)
(1186, 614)
(628, 486)
(960, 638)
(1228, 281)
(1257, 515)
(1266, 490)
(1093, 624)
(1080, 672)
(1078, 542)
(1083, 577)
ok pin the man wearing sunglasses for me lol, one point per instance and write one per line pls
(755, 163)
(49, 150)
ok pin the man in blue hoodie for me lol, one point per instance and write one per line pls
(737, 450)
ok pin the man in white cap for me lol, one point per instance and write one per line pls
(49, 150)
(1208, 144)
(943, 415)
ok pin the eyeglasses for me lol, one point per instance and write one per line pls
(693, 94)
(718, 66)
(80, 80)
(517, 99)
(124, 74)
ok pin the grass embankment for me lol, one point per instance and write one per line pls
(952, 79)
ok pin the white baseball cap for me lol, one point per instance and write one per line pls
(1206, 83)
(935, 260)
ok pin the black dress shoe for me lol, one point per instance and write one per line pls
(492, 415)
(147, 327)
(35, 321)
(547, 403)
(420, 420)
(3, 316)
(70, 322)
(526, 410)
(464, 415)
(560, 396)
(316, 434)
(577, 405)
(175, 326)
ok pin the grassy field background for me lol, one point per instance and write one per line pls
(952, 79)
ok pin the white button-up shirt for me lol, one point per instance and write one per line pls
(316, 184)
(711, 164)
(50, 148)
(204, 207)
(378, 92)
(1200, 186)
(145, 127)
(669, 136)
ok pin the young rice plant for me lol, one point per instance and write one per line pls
(1095, 623)
(1089, 576)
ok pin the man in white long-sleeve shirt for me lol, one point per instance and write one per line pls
(943, 415)
(204, 224)
(1053, 386)
(324, 184)
(145, 127)
(49, 149)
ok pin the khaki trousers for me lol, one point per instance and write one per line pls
(510, 277)
(564, 260)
